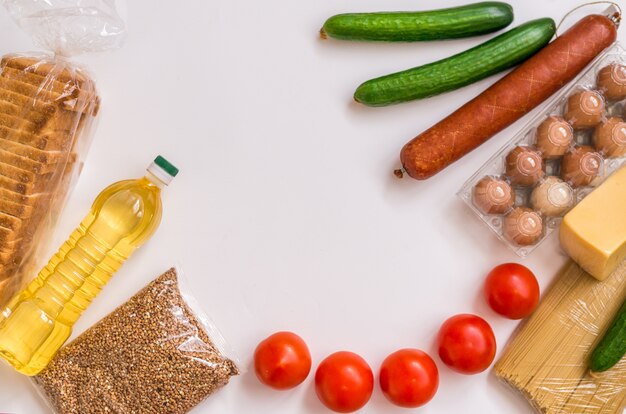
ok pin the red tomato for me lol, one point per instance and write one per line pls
(409, 378)
(344, 382)
(512, 290)
(466, 344)
(282, 361)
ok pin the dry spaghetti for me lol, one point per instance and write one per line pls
(547, 360)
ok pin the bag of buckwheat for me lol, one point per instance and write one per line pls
(157, 353)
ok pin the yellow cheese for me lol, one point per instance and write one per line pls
(594, 232)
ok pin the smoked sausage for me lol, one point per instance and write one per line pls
(509, 99)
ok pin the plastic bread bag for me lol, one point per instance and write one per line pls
(48, 106)
(547, 359)
(157, 353)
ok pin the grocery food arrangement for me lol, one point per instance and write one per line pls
(559, 157)
(158, 352)
(47, 108)
(506, 101)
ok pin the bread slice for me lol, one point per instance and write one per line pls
(34, 154)
(38, 141)
(47, 83)
(38, 119)
(68, 86)
(28, 102)
(44, 67)
(20, 175)
(33, 92)
(18, 210)
(16, 174)
(28, 189)
(10, 222)
(26, 163)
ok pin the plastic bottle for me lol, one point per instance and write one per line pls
(38, 320)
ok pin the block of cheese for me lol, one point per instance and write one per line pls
(593, 233)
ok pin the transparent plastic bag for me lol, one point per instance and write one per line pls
(156, 353)
(48, 108)
(69, 27)
(547, 359)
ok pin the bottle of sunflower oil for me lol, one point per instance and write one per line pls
(38, 320)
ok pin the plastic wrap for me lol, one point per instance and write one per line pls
(69, 27)
(48, 106)
(547, 359)
(573, 143)
(157, 353)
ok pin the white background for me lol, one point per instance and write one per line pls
(286, 215)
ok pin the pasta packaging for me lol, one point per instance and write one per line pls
(48, 108)
(547, 360)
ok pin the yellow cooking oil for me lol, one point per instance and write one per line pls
(38, 320)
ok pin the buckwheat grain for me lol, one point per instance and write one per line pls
(151, 355)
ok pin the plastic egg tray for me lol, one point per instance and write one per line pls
(515, 223)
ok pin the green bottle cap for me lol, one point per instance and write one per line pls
(166, 166)
(162, 170)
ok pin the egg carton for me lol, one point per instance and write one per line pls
(549, 170)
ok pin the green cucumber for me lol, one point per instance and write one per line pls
(493, 56)
(612, 346)
(453, 23)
